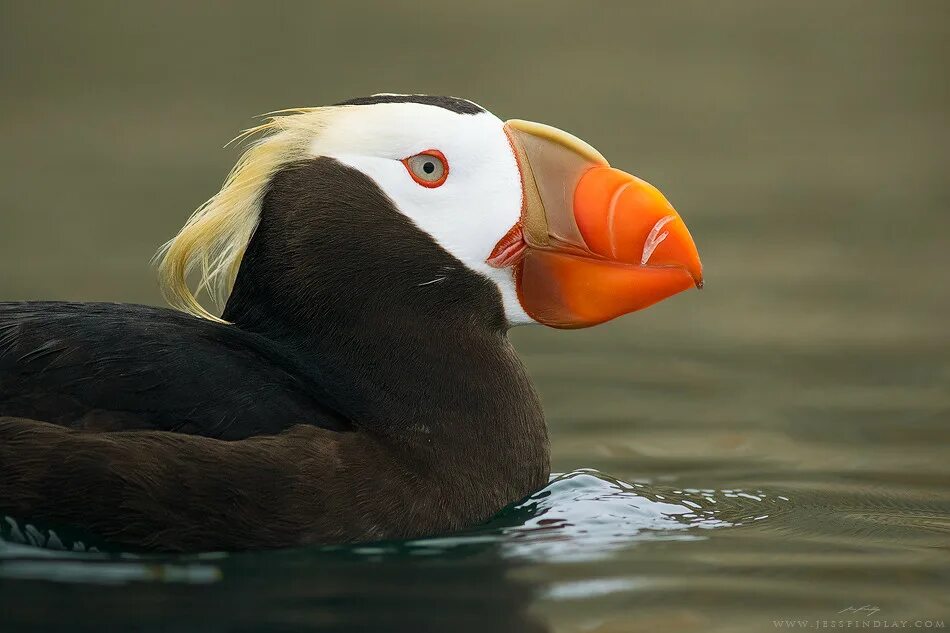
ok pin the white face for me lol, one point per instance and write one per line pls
(480, 199)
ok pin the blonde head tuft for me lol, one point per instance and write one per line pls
(213, 240)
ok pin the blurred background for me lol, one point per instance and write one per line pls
(806, 144)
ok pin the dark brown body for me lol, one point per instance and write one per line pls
(168, 491)
(346, 403)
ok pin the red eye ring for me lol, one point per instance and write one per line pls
(428, 168)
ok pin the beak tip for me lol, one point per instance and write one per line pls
(700, 284)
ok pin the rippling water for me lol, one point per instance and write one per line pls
(586, 550)
(580, 519)
(775, 447)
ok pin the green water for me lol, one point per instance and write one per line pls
(775, 447)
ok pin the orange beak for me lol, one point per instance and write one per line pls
(593, 242)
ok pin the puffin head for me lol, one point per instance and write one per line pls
(437, 197)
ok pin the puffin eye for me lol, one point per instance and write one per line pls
(428, 168)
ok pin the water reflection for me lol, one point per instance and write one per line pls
(586, 538)
(580, 516)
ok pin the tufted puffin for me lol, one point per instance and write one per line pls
(359, 384)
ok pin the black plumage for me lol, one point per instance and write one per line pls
(452, 104)
(107, 367)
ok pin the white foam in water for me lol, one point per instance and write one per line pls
(586, 515)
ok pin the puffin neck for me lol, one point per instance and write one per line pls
(331, 276)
